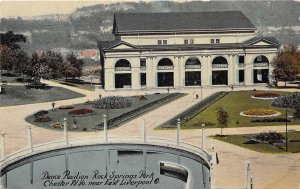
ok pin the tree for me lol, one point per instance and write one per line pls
(10, 39)
(222, 118)
(55, 62)
(6, 58)
(21, 61)
(72, 67)
(37, 67)
(287, 64)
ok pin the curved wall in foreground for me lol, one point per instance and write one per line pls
(109, 166)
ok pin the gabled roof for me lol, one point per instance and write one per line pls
(113, 44)
(180, 21)
(257, 39)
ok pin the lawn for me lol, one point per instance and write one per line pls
(235, 102)
(18, 94)
(88, 123)
(244, 141)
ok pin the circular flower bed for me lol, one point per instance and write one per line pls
(42, 119)
(112, 102)
(266, 95)
(259, 113)
(66, 107)
(82, 112)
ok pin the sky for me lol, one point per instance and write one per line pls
(21, 8)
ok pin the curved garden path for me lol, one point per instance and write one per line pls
(269, 171)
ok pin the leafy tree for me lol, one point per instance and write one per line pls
(287, 64)
(21, 61)
(72, 67)
(222, 119)
(37, 67)
(6, 58)
(55, 62)
(10, 39)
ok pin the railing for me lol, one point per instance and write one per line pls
(192, 66)
(122, 68)
(220, 65)
(40, 148)
(165, 67)
(265, 64)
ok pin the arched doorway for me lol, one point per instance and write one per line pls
(165, 74)
(122, 74)
(261, 69)
(220, 71)
(192, 72)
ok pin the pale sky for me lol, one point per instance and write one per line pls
(10, 8)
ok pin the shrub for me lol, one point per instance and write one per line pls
(40, 113)
(82, 112)
(266, 95)
(112, 102)
(269, 137)
(42, 119)
(37, 86)
(269, 120)
(288, 101)
(66, 107)
(259, 112)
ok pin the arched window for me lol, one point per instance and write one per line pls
(122, 63)
(165, 64)
(192, 63)
(220, 62)
(261, 59)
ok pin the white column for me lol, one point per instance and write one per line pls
(204, 67)
(30, 144)
(209, 71)
(105, 127)
(66, 132)
(231, 70)
(144, 131)
(202, 137)
(136, 78)
(182, 72)
(109, 79)
(154, 72)
(176, 72)
(248, 70)
(149, 72)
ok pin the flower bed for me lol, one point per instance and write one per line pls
(66, 107)
(112, 102)
(40, 113)
(266, 95)
(42, 119)
(259, 113)
(82, 112)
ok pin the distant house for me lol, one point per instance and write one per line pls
(185, 49)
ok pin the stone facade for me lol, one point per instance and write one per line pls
(152, 59)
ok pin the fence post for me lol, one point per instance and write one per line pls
(3, 146)
(144, 131)
(105, 127)
(247, 175)
(30, 144)
(66, 131)
(202, 139)
(178, 132)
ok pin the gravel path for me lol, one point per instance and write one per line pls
(269, 171)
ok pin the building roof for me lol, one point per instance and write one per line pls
(180, 21)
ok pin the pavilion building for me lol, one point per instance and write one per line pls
(185, 49)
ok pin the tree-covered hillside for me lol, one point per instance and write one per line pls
(82, 28)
